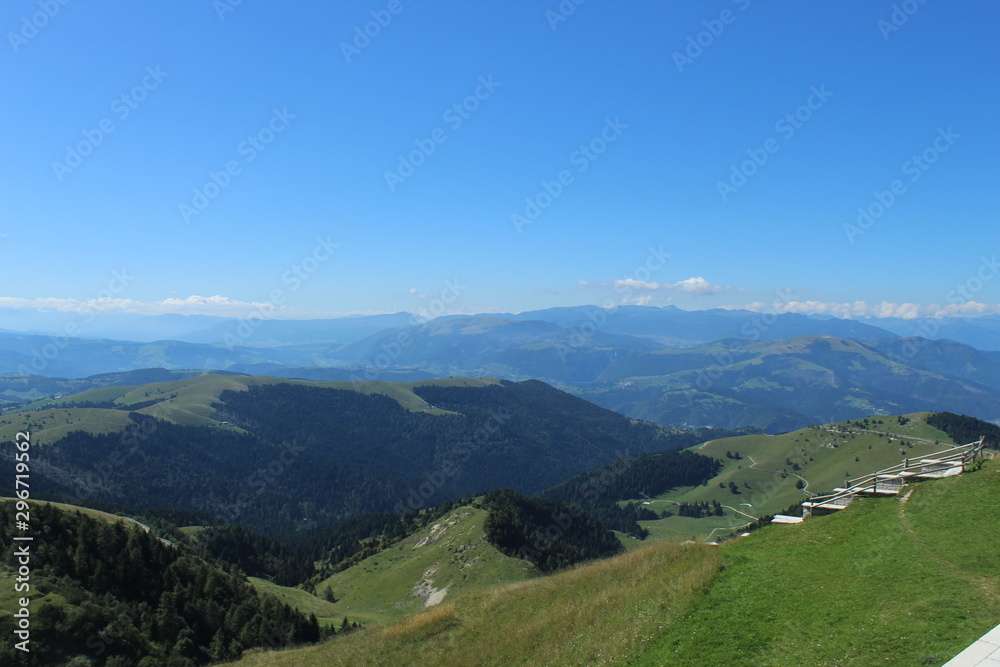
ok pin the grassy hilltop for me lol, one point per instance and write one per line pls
(776, 471)
(906, 580)
(187, 402)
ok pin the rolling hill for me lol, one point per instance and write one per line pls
(279, 455)
(773, 472)
(906, 582)
(785, 384)
(440, 563)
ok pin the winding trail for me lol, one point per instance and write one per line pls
(749, 516)
(733, 528)
(804, 489)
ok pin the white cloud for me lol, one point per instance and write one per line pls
(698, 286)
(883, 309)
(632, 283)
(695, 286)
(193, 305)
(219, 306)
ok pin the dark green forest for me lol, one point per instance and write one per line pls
(312, 455)
(131, 599)
(599, 490)
(964, 429)
(549, 533)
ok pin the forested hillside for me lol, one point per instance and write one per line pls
(126, 598)
(549, 533)
(964, 429)
(644, 475)
(294, 455)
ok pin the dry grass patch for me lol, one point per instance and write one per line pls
(431, 621)
(603, 612)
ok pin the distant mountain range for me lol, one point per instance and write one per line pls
(669, 326)
(722, 368)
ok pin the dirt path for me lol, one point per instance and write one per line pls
(983, 583)
(804, 489)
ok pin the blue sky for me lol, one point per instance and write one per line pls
(739, 138)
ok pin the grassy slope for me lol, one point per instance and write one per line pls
(47, 426)
(452, 554)
(769, 492)
(189, 402)
(326, 613)
(881, 582)
(594, 614)
(92, 513)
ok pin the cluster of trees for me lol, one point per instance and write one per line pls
(963, 429)
(698, 510)
(254, 554)
(131, 599)
(551, 534)
(599, 491)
